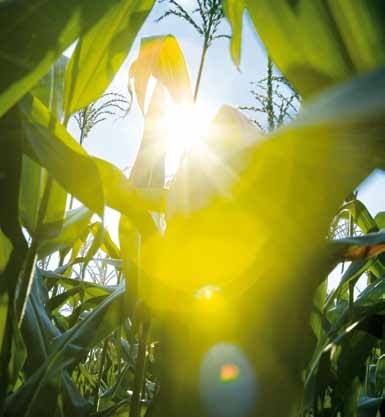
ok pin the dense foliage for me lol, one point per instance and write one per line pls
(215, 301)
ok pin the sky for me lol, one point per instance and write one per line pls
(117, 140)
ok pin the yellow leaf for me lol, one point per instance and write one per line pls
(162, 58)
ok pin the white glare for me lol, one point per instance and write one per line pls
(185, 128)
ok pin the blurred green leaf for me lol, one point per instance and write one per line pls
(380, 220)
(349, 38)
(251, 220)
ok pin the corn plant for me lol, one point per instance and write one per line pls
(95, 113)
(210, 14)
(276, 100)
(225, 311)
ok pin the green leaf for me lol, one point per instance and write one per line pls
(90, 289)
(162, 58)
(50, 89)
(361, 216)
(93, 181)
(68, 349)
(121, 195)
(349, 38)
(97, 230)
(380, 220)
(130, 241)
(33, 183)
(354, 271)
(74, 224)
(5, 251)
(39, 332)
(100, 53)
(10, 172)
(47, 141)
(33, 35)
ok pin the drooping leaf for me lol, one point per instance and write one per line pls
(101, 52)
(93, 181)
(90, 289)
(48, 142)
(361, 216)
(162, 58)
(122, 196)
(75, 222)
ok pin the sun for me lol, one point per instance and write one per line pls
(184, 129)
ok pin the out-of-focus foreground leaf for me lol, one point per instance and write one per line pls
(260, 235)
(347, 35)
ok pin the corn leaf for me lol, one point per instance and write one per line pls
(48, 142)
(33, 34)
(101, 52)
(162, 58)
(74, 224)
(349, 38)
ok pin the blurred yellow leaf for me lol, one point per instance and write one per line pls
(265, 210)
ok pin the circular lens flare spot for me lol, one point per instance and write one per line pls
(229, 373)
(228, 384)
(208, 293)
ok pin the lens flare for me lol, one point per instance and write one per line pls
(229, 373)
(228, 385)
(208, 293)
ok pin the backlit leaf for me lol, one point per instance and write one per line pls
(162, 58)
